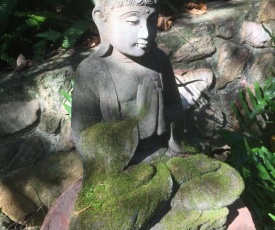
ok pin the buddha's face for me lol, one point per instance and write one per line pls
(132, 29)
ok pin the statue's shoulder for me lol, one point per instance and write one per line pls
(90, 67)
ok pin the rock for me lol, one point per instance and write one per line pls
(17, 116)
(261, 66)
(30, 151)
(253, 34)
(226, 29)
(267, 9)
(66, 140)
(50, 122)
(231, 62)
(164, 48)
(192, 84)
(196, 48)
(24, 191)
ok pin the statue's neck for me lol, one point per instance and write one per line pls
(119, 57)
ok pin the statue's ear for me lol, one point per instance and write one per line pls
(99, 18)
(101, 23)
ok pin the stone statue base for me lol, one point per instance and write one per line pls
(179, 193)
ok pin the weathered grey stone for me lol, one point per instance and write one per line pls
(8, 150)
(267, 9)
(23, 191)
(192, 84)
(16, 116)
(66, 139)
(261, 67)
(30, 151)
(226, 29)
(50, 122)
(164, 48)
(195, 49)
(253, 34)
(231, 62)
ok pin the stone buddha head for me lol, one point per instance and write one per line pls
(128, 27)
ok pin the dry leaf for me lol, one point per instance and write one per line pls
(164, 23)
(196, 11)
(202, 7)
(194, 8)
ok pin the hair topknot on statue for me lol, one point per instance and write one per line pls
(119, 3)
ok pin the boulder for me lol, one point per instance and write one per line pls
(231, 62)
(253, 34)
(195, 49)
(192, 84)
(267, 9)
(17, 116)
(25, 191)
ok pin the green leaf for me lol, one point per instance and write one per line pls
(271, 216)
(72, 34)
(269, 33)
(66, 95)
(68, 109)
(50, 35)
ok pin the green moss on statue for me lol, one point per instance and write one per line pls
(107, 147)
(127, 201)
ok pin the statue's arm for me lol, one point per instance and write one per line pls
(85, 101)
(171, 96)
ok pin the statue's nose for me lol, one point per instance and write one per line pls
(143, 32)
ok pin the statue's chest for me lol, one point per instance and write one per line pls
(127, 83)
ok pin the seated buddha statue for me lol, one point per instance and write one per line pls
(126, 115)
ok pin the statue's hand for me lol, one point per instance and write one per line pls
(148, 105)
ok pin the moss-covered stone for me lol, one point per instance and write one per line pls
(108, 147)
(193, 220)
(127, 201)
(184, 169)
(211, 189)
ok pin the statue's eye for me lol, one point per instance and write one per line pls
(134, 20)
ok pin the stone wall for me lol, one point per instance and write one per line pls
(215, 55)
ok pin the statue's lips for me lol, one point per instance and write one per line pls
(142, 44)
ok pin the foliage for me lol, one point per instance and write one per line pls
(269, 33)
(35, 27)
(169, 4)
(251, 152)
(68, 99)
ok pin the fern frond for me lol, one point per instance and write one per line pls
(72, 34)
(39, 49)
(4, 46)
(7, 8)
(50, 35)
(40, 15)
